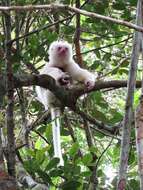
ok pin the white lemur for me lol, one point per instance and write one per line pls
(60, 64)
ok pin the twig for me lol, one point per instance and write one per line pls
(99, 158)
(120, 63)
(103, 47)
(38, 133)
(71, 131)
(95, 122)
(77, 37)
(40, 29)
(61, 7)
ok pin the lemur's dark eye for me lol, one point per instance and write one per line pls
(59, 47)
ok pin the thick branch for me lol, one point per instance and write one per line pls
(60, 7)
(48, 82)
(45, 81)
(67, 96)
(10, 98)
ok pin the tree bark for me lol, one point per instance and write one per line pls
(10, 92)
(125, 145)
(139, 139)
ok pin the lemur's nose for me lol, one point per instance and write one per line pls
(62, 50)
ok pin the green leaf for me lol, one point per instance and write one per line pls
(107, 57)
(117, 117)
(42, 128)
(31, 166)
(46, 178)
(123, 71)
(40, 156)
(100, 173)
(74, 149)
(93, 149)
(87, 159)
(53, 163)
(132, 157)
(98, 54)
(77, 170)
(96, 64)
(134, 184)
(71, 185)
(38, 144)
(99, 115)
(86, 174)
(30, 152)
(65, 132)
(119, 5)
(49, 133)
(69, 30)
(55, 172)
(132, 2)
(126, 15)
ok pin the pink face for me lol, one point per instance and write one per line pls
(62, 50)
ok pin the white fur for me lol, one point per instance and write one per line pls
(69, 65)
(54, 59)
(47, 98)
(55, 114)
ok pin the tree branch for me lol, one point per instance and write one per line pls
(67, 96)
(60, 7)
(129, 112)
(95, 122)
(10, 98)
